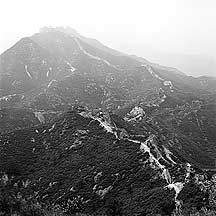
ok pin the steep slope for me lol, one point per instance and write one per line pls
(91, 164)
(93, 42)
(33, 64)
(117, 61)
(16, 119)
(26, 65)
(66, 71)
(153, 153)
(187, 130)
(118, 76)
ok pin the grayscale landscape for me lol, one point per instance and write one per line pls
(105, 112)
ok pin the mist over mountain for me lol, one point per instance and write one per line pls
(88, 130)
(193, 65)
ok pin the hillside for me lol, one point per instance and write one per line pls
(85, 129)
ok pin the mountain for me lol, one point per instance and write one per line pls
(27, 65)
(89, 130)
(97, 165)
(93, 42)
(57, 55)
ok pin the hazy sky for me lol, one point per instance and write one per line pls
(179, 26)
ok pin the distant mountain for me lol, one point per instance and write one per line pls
(53, 55)
(174, 70)
(99, 45)
(196, 65)
(191, 64)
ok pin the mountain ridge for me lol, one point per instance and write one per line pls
(102, 134)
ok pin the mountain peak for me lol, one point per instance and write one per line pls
(67, 30)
